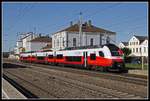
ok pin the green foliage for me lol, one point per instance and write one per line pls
(126, 51)
(136, 66)
(23, 49)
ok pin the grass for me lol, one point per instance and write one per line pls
(136, 66)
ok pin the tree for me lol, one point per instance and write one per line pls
(23, 49)
(126, 51)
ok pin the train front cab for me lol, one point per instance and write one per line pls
(116, 57)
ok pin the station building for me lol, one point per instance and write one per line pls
(90, 36)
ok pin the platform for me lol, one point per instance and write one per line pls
(10, 92)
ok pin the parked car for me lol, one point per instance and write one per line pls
(136, 61)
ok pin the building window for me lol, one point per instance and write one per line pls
(54, 43)
(144, 49)
(63, 42)
(57, 42)
(136, 43)
(140, 50)
(133, 50)
(137, 50)
(74, 42)
(91, 42)
(108, 40)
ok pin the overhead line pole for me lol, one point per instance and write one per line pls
(80, 29)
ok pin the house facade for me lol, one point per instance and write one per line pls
(26, 41)
(22, 44)
(31, 42)
(39, 43)
(138, 46)
(90, 36)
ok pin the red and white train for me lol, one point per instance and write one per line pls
(107, 57)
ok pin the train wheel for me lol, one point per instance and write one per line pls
(89, 67)
(103, 69)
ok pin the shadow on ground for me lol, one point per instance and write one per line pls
(9, 65)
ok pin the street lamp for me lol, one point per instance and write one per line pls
(142, 58)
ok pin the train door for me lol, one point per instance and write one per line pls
(54, 54)
(85, 59)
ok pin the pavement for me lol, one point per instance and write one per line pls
(139, 72)
(10, 92)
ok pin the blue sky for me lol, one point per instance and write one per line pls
(124, 18)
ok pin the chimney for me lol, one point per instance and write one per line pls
(71, 23)
(89, 23)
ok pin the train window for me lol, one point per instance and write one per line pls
(101, 54)
(115, 53)
(59, 56)
(24, 57)
(73, 58)
(50, 56)
(40, 58)
(93, 56)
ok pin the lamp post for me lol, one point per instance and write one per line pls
(142, 63)
(80, 30)
(142, 59)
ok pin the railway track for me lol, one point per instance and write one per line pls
(35, 76)
(113, 76)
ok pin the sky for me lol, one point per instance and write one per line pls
(124, 18)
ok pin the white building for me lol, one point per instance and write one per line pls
(22, 44)
(138, 46)
(31, 42)
(18, 47)
(91, 35)
(39, 43)
(26, 41)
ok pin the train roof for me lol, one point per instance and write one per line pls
(90, 47)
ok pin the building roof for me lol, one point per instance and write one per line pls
(85, 28)
(27, 35)
(141, 38)
(42, 39)
(125, 43)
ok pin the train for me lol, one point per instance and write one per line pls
(108, 57)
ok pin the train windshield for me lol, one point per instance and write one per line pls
(113, 49)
